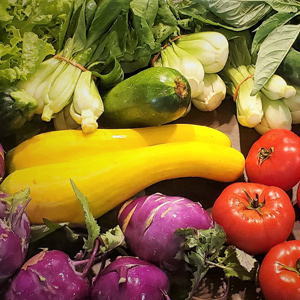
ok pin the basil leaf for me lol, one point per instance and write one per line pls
(271, 53)
(268, 26)
(238, 13)
(290, 6)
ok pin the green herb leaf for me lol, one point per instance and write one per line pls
(268, 26)
(238, 13)
(271, 53)
(238, 264)
(40, 231)
(112, 239)
(91, 224)
(284, 6)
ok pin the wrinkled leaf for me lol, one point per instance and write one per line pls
(238, 13)
(112, 239)
(91, 224)
(271, 53)
(284, 6)
(238, 264)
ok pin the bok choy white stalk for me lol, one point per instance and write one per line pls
(87, 105)
(210, 48)
(212, 95)
(276, 115)
(293, 103)
(189, 66)
(276, 87)
(63, 120)
(239, 83)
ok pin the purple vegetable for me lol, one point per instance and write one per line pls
(129, 278)
(2, 164)
(149, 224)
(49, 275)
(14, 237)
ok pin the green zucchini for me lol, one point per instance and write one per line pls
(155, 96)
(289, 69)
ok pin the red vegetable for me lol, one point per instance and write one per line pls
(254, 217)
(274, 159)
(279, 275)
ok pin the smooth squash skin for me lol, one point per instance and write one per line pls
(155, 96)
(110, 179)
(66, 145)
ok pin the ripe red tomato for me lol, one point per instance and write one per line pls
(255, 217)
(274, 159)
(279, 274)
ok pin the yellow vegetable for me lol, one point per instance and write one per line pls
(111, 178)
(67, 145)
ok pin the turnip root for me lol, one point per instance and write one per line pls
(149, 224)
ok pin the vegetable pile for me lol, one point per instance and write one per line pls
(104, 103)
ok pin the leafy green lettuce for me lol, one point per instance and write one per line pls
(30, 31)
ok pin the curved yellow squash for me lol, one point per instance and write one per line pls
(67, 145)
(111, 178)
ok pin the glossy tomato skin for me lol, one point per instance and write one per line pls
(277, 282)
(255, 231)
(282, 167)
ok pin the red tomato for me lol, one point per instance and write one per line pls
(274, 159)
(255, 217)
(279, 274)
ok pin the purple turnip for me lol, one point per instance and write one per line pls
(2, 163)
(14, 234)
(129, 278)
(149, 224)
(49, 275)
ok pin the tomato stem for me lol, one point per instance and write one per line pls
(263, 154)
(254, 202)
(296, 269)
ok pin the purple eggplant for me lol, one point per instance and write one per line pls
(14, 234)
(129, 278)
(149, 224)
(49, 275)
(2, 163)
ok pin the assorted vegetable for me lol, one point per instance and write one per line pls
(254, 217)
(131, 67)
(109, 179)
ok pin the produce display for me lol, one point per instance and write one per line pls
(149, 149)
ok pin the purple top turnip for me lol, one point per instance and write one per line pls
(14, 237)
(149, 224)
(2, 164)
(129, 278)
(49, 275)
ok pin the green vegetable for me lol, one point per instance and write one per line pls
(276, 115)
(16, 108)
(152, 97)
(239, 82)
(212, 95)
(210, 48)
(188, 65)
(290, 66)
(87, 105)
(30, 31)
(293, 103)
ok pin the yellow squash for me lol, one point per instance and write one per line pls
(67, 145)
(111, 178)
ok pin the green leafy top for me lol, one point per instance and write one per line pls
(205, 249)
(92, 227)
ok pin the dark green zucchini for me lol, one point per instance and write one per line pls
(155, 96)
(289, 69)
